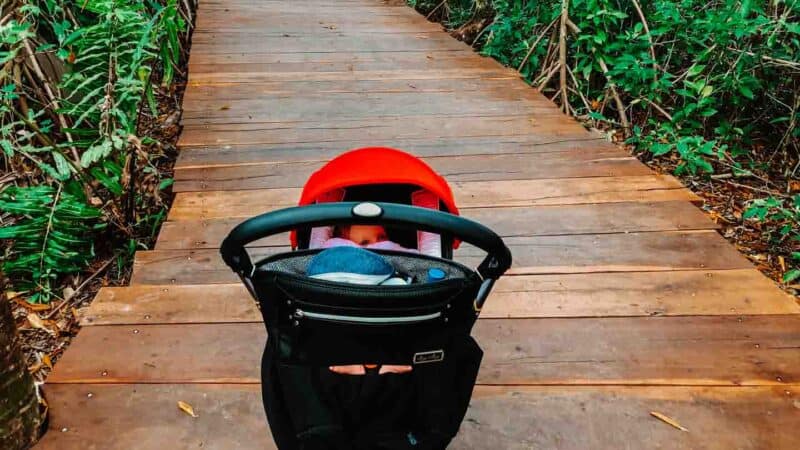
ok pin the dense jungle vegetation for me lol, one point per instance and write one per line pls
(709, 89)
(79, 171)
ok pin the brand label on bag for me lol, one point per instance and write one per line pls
(428, 357)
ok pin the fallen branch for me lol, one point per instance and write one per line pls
(78, 289)
(620, 106)
(550, 74)
(583, 98)
(658, 108)
(546, 62)
(753, 188)
(778, 61)
(435, 9)
(61, 120)
(535, 43)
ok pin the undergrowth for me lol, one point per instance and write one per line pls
(712, 85)
(78, 179)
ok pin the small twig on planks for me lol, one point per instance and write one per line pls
(562, 54)
(668, 420)
(78, 289)
(623, 117)
(535, 43)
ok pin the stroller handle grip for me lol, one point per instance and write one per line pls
(496, 262)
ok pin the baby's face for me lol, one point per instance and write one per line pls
(365, 234)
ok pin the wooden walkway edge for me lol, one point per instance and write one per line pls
(623, 299)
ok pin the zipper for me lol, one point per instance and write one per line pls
(299, 313)
(355, 290)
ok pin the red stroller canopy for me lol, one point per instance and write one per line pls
(374, 166)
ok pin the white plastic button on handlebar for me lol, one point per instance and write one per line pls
(367, 209)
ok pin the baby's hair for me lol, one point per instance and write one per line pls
(340, 230)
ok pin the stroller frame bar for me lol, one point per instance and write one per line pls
(496, 262)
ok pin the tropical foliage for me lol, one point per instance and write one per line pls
(714, 85)
(73, 76)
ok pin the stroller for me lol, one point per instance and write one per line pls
(314, 324)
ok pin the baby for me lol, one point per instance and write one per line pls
(363, 235)
(369, 236)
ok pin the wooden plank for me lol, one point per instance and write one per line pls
(453, 168)
(389, 96)
(623, 252)
(251, 21)
(229, 77)
(676, 293)
(358, 106)
(468, 194)
(146, 417)
(380, 129)
(692, 350)
(499, 87)
(410, 61)
(597, 218)
(220, 303)
(280, 60)
(294, 43)
(567, 418)
(721, 292)
(580, 418)
(226, 155)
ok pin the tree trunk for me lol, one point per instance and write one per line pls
(20, 419)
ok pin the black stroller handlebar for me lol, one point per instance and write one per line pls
(497, 261)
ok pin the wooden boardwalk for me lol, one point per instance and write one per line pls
(623, 298)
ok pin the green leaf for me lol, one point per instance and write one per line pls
(791, 275)
(62, 166)
(8, 149)
(111, 183)
(96, 153)
(165, 183)
(695, 69)
(659, 149)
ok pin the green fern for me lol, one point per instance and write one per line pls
(53, 236)
(69, 165)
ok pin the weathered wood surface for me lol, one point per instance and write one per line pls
(230, 416)
(623, 298)
(471, 194)
(677, 293)
(596, 218)
(693, 350)
(455, 168)
(208, 155)
(586, 253)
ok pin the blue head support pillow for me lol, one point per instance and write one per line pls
(350, 265)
